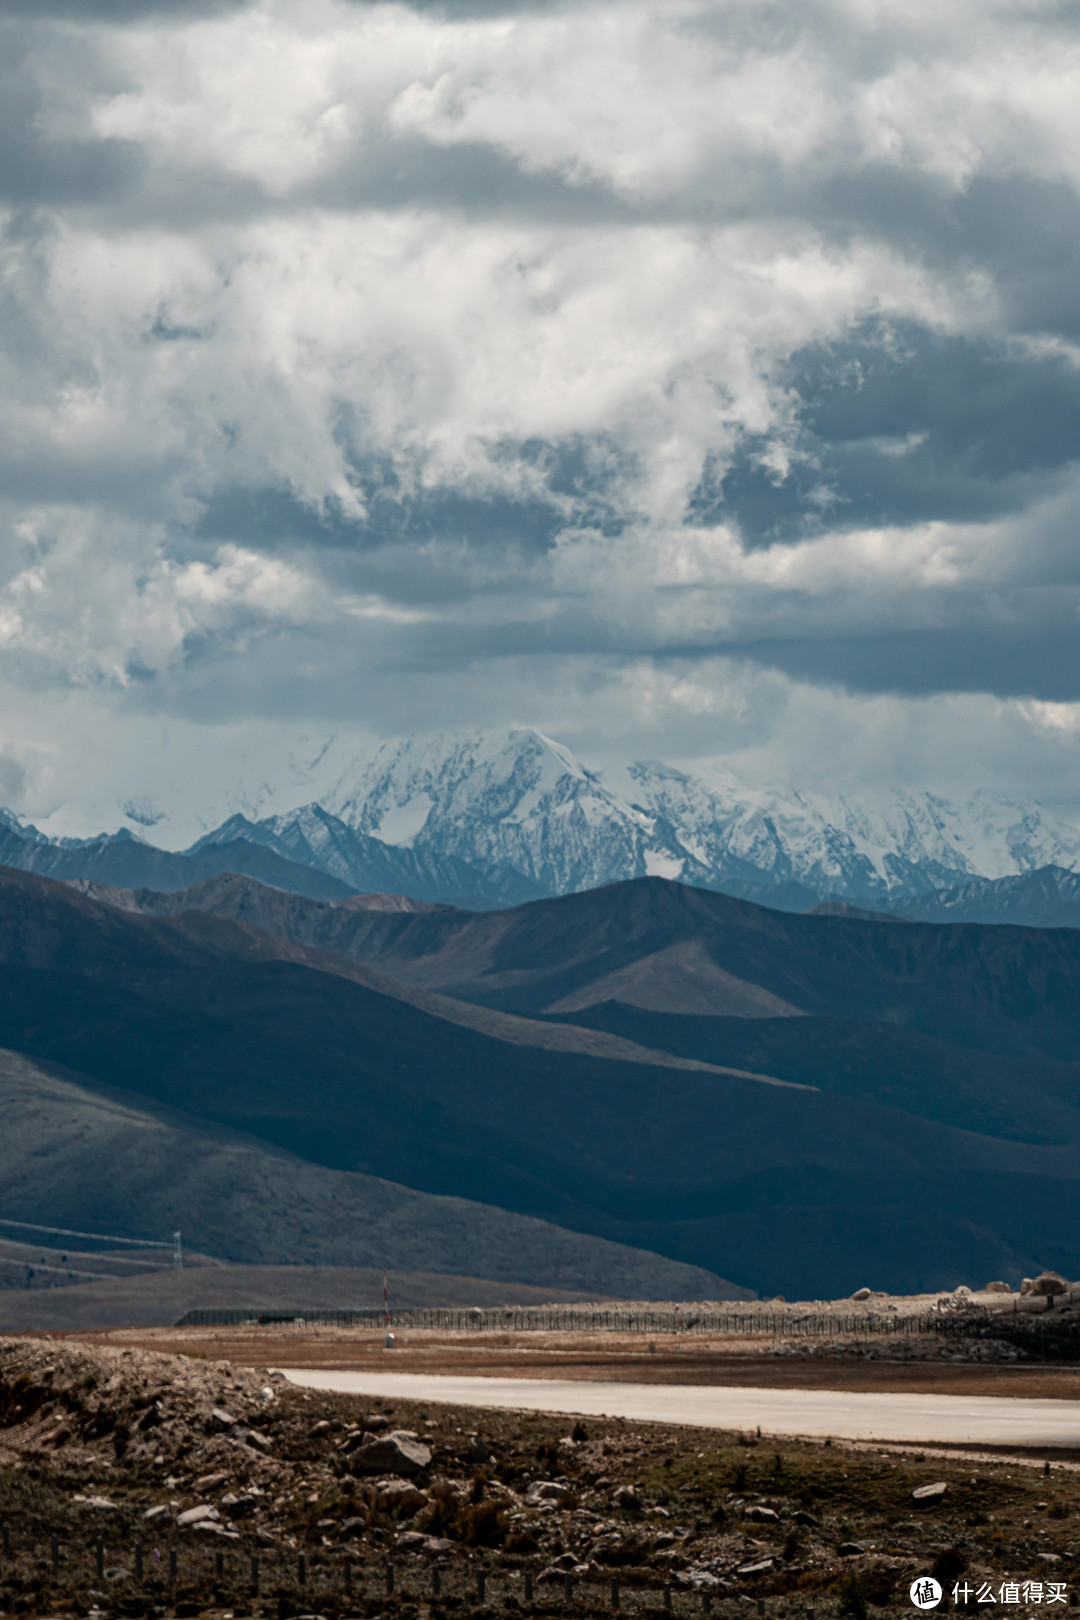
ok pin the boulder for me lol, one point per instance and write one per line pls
(626, 1497)
(997, 1288)
(850, 1549)
(399, 1452)
(1027, 1285)
(807, 1520)
(929, 1493)
(478, 1451)
(1048, 1284)
(861, 1293)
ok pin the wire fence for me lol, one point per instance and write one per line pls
(185, 1577)
(572, 1319)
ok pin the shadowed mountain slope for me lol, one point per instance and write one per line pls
(666, 947)
(77, 1154)
(785, 1188)
(126, 861)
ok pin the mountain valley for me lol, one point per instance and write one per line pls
(843, 1098)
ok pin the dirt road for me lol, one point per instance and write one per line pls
(955, 1419)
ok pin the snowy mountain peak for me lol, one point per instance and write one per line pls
(519, 802)
(495, 817)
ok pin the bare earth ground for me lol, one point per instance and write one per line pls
(111, 1445)
(607, 1357)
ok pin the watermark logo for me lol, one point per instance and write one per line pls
(926, 1592)
(1011, 1592)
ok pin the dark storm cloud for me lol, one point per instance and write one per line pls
(1042, 663)
(901, 425)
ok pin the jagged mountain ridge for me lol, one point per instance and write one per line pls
(1046, 898)
(492, 819)
(517, 802)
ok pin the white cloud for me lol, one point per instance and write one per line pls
(484, 304)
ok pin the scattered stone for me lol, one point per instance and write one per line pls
(850, 1549)
(198, 1515)
(997, 1288)
(221, 1419)
(436, 1546)
(478, 1451)
(399, 1452)
(762, 1515)
(626, 1497)
(210, 1482)
(101, 1502)
(1048, 1558)
(806, 1519)
(929, 1493)
(761, 1567)
(861, 1293)
(376, 1423)
(157, 1512)
(323, 1426)
(409, 1540)
(546, 1490)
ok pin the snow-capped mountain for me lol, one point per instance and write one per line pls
(495, 818)
(516, 802)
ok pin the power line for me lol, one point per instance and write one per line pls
(97, 1237)
(61, 1271)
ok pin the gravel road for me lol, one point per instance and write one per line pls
(961, 1419)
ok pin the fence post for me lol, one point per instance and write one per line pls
(138, 1561)
(481, 1585)
(667, 1595)
(614, 1592)
(348, 1573)
(101, 1560)
(7, 1542)
(219, 1566)
(172, 1564)
(301, 1568)
(436, 1581)
(528, 1586)
(568, 1583)
(55, 1548)
(389, 1579)
(255, 1573)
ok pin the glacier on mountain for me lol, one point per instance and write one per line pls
(517, 802)
(493, 818)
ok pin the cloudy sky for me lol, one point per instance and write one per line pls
(685, 377)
